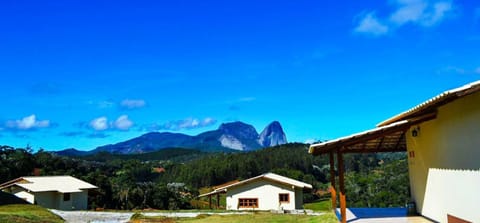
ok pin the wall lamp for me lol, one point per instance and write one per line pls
(416, 131)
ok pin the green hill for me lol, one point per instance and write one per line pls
(27, 213)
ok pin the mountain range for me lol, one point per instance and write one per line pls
(233, 136)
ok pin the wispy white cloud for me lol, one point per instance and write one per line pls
(105, 104)
(310, 141)
(371, 25)
(423, 13)
(132, 103)
(99, 124)
(123, 123)
(420, 12)
(101, 104)
(188, 123)
(440, 11)
(408, 11)
(27, 123)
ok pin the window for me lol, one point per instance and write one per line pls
(66, 196)
(284, 198)
(248, 202)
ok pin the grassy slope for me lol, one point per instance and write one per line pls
(27, 213)
(262, 217)
(320, 205)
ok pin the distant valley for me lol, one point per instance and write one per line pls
(233, 136)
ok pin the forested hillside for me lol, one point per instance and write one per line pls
(171, 179)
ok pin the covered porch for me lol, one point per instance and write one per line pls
(388, 138)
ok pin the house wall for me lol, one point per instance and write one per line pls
(298, 198)
(54, 200)
(80, 200)
(47, 199)
(267, 193)
(65, 205)
(444, 167)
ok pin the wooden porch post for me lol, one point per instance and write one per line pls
(210, 201)
(218, 201)
(341, 182)
(333, 192)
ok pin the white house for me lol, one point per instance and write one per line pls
(442, 139)
(265, 192)
(56, 192)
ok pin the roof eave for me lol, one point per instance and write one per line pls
(433, 103)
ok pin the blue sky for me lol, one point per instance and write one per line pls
(87, 73)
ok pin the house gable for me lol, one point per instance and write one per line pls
(266, 191)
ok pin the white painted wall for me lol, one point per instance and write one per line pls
(452, 192)
(445, 171)
(267, 193)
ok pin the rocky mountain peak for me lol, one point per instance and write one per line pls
(272, 135)
(234, 135)
(239, 129)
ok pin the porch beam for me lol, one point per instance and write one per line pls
(373, 136)
(401, 149)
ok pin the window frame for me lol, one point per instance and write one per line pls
(67, 196)
(248, 203)
(282, 195)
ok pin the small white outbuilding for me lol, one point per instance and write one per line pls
(56, 192)
(265, 192)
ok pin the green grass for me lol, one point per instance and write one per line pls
(262, 217)
(319, 205)
(27, 213)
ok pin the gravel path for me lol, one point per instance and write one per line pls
(122, 217)
(93, 216)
